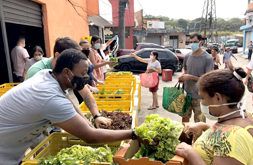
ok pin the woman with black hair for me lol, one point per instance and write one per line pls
(37, 53)
(229, 140)
(97, 59)
(153, 66)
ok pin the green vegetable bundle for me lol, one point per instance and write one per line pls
(165, 131)
(79, 155)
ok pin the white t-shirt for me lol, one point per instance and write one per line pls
(250, 65)
(18, 56)
(106, 58)
(27, 110)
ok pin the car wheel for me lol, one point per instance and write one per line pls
(180, 66)
(125, 67)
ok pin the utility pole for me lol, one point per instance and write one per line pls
(121, 27)
(208, 20)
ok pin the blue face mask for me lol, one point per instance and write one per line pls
(97, 46)
(195, 47)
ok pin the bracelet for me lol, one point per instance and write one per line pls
(134, 136)
(97, 115)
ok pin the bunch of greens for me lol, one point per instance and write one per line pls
(165, 131)
(79, 155)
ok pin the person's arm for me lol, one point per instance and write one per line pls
(79, 127)
(247, 77)
(218, 59)
(92, 106)
(139, 58)
(96, 65)
(24, 73)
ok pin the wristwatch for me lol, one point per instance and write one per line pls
(97, 115)
(134, 136)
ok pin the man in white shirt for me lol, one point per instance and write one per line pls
(29, 108)
(19, 56)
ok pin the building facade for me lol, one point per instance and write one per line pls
(248, 27)
(112, 30)
(41, 22)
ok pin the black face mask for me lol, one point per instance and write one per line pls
(79, 82)
(86, 52)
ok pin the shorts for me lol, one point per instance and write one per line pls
(155, 88)
(195, 107)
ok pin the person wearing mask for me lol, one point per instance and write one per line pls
(153, 66)
(229, 140)
(62, 44)
(29, 108)
(196, 63)
(86, 50)
(216, 58)
(19, 56)
(97, 59)
(37, 56)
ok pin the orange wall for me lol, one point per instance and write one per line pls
(93, 7)
(60, 20)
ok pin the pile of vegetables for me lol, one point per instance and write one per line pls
(118, 92)
(120, 120)
(162, 130)
(114, 59)
(80, 155)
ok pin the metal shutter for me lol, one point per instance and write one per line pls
(23, 12)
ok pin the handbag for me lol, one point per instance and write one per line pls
(149, 80)
(174, 99)
(250, 81)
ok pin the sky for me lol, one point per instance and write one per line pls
(191, 9)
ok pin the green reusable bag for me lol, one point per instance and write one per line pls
(174, 99)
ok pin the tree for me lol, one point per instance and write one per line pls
(182, 23)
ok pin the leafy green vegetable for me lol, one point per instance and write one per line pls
(165, 131)
(80, 155)
(102, 92)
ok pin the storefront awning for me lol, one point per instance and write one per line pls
(98, 21)
(245, 27)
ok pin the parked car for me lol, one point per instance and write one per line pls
(232, 44)
(138, 46)
(171, 48)
(167, 59)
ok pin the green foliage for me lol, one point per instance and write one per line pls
(165, 131)
(224, 27)
(79, 155)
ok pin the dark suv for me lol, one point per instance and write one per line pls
(167, 59)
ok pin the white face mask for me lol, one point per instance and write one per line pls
(152, 57)
(37, 58)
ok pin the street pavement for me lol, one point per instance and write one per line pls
(146, 96)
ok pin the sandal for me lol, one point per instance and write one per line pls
(151, 108)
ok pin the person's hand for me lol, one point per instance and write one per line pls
(94, 89)
(111, 63)
(146, 142)
(102, 121)
(150, 69)
(184, 150)
(184, 78)
(133, 55)
(100, 82)
(194, 129)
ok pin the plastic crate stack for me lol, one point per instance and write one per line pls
(117, 94)
(5, 87)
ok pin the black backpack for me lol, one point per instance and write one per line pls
(250, 81)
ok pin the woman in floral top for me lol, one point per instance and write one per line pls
(230, 140)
